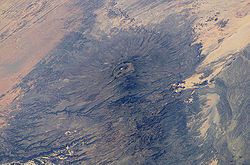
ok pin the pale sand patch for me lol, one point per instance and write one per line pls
(204, 128)
(206, 27)
(210, 113)
(214, 162)
(195, 79)
(234, 36)
(231, 45)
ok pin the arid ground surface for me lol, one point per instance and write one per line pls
(125, 82)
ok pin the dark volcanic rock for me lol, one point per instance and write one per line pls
(113, 92)
(107, 101)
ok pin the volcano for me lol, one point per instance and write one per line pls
(124, 82)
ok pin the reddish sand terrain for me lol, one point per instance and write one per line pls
(28, 31)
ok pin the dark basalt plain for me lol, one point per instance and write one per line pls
(110, 100)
